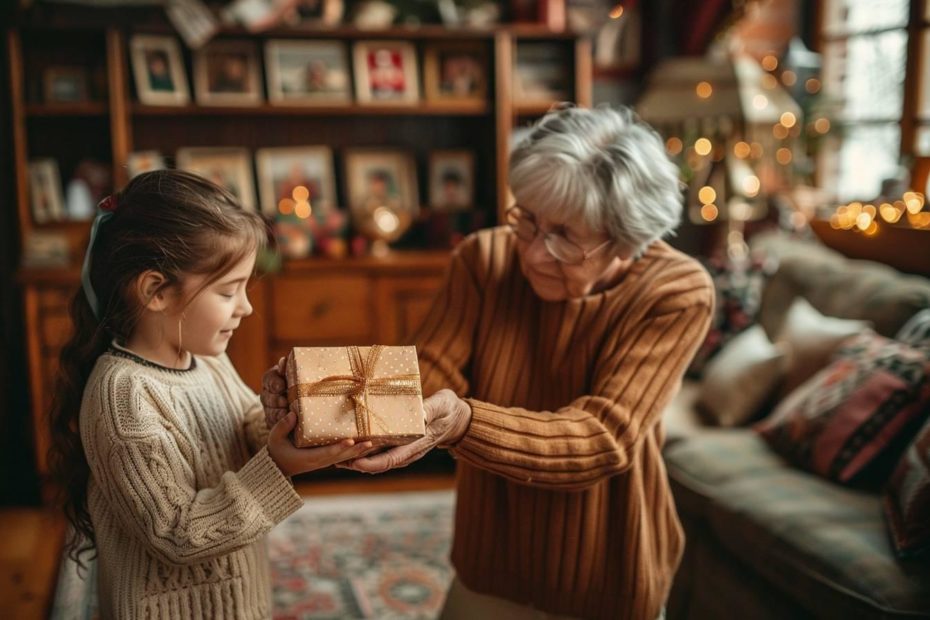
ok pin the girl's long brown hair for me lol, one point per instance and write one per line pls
(169, 221)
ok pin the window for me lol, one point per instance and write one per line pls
(864, 65)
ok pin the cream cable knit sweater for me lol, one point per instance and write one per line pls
(182, 489)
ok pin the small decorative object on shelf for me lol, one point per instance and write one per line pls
(65, 84)
(541, 75)
(45, 191)
(382, 194)
(90, 183)
(227, 73)
(159, 70)
(308, 72)
(373, 15)
(386, 72)
(228, 167)
(144, 161)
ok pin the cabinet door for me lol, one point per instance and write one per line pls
(403, 303)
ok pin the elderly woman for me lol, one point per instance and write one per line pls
(550, 353)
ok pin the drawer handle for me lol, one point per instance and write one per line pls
(320, 308)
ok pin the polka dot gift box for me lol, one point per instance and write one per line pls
(366, 393)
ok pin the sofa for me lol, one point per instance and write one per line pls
(765, 539)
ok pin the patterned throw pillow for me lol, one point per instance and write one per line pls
(907, 499)
(867, 403)
(916, 332)
(738, 290)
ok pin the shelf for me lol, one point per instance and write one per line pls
(906, 249)
(349, 109)
(533, 109)
(92, 108)
(422, 32)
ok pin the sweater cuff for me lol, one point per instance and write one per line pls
(271, 489)
(480, 412)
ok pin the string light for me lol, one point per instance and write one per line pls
(760, 102)
(704, 90)
(769, 62)
(616, 12)
(788, 119)
(751, 185)
(783, 156)
(674, 145)
(286, 206)
(779, 131)
(812, 85)
(707, 195)
(822, 125)
(709, 212)
(703, 146)
(789, 78)
(742, 149)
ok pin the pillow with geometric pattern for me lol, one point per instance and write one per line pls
(907, 499)
(916, 332)
(866, 405)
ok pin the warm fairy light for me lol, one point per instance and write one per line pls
(674, 145)
(703, 146)
(707, 195)
(300, 193)
(889, 213)
(854, 209)
(709, 212)
(914, 201)
(755, 150)
(872, 230)
(870, 209)
(919, 220)
(769, 62)
(302, 209)
(812, 85)
(760, 102)
(386, 220)
(741, 150)
(863, 221)
(789, 78)
(822, 125)
(779, 131)
(616, 12)
(783, 156)
(768, 81)
(740, 210)
(704, 90)
(788, 120)
(751, 185)
(286, 206)
(835, 222)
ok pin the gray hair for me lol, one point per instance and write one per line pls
(603, 165)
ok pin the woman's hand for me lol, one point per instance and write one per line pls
(274, 393)
(292, 460)
(447, 420)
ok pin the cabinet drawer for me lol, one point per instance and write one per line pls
(322, 308)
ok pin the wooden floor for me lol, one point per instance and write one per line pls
(32, 539)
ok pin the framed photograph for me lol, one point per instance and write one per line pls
(227, 73)
(542, 73)
(307, 72)
(159, 70)
(228, 167)
(144, 161)
(381, 178)
(45, 195)
(65, 84)
(291, 176)
(386, 72)
(451, 180)
(455, 72)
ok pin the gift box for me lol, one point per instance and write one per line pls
(365, 393)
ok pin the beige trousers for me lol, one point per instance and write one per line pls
(465, 604)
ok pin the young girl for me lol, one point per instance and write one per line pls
(161, 450)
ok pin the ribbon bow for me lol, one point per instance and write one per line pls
(359, 385)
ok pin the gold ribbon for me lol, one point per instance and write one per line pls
(358, 386)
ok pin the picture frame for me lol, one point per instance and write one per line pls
(281, 170)
(144, 161)
(541, 74)
(455, 71)
(45, 195)
(381, 178)
(386, 72)
(227, 73)
(307, 72)
(65, 84)
(158, 68)
(451, 180)
(228, 167)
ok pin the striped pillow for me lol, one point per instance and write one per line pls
(907, 499)
(865, 405)
(916, 332)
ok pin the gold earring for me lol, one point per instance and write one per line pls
(180, 348)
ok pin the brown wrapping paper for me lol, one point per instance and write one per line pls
(365, 393)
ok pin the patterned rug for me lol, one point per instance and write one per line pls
(352, 556)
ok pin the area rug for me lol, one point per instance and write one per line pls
(351, 556)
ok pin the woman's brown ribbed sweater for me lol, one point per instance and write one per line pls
(563, 501)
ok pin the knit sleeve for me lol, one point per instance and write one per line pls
(444, 341)
(151, 486)
(254, 427)
(596, 435)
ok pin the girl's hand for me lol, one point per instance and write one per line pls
(447, 421)
(292, 460)
(274, 394)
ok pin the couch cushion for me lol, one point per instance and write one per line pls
(907, 499)
(824, 544)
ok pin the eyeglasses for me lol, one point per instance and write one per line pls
(523, 224)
